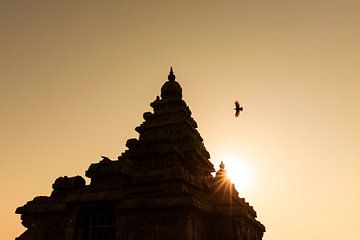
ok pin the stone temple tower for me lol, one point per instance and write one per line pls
(160, 188)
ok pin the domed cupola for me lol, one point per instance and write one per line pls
(171, 90)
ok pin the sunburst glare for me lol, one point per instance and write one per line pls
(239, 171)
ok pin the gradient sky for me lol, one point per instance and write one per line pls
(76, 77)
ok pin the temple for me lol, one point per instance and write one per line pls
(161, 187)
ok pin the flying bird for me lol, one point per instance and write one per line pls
(237, 108)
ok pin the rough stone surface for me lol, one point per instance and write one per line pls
(161, 187)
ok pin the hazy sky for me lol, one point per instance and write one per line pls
(76, 77)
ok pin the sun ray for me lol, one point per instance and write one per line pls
(238, 171)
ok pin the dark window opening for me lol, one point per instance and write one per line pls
(98, 224)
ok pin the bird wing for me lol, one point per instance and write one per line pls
(237, 105)
(237, 113)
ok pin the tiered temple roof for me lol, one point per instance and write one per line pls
(164, 174)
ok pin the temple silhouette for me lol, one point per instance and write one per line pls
(160, 188)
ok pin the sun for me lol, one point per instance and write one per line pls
(239, 172)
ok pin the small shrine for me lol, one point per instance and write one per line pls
(160, 188)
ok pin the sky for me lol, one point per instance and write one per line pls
(76, 77)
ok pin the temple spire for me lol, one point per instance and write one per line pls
(222, 166)
(171, 76)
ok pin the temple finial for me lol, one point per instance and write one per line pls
(171, 76)
(222, 165)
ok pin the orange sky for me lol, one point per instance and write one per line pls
(76, 77)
